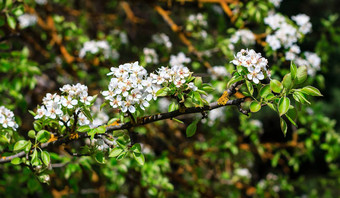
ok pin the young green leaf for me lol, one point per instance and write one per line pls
(43, 136)
(163, 92)
(287, 81)
(255, 106)
(45, 156)
(191, 129)
(83, 128)
(173, 106)
(115, 152)
(136, 148)
(264, 91)
(310, 90)
(283, 105)
(35, 160)
(16, 161)
(293, 70)
(283, 125)
(139, 157)
(20, 145)
(87, 113)
(301, 74)
(31, 134)
(276, 86)
(250, 87)
(100, 129)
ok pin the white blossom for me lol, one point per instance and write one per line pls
(7, 119)
(254, 62)
(179, 60)
(162, 39)
(41, 2)
(150, 55)
(27, 20)
(217, 72)
(276, 3)
(94, 47)
(245, 36)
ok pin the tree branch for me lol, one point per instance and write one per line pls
(142, 121)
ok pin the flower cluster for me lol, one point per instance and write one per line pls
(130, 88)
(27, 20)
(162, 39)
(217, 72)
(41, 2)
(285, 34)
(196, 25)
(312, 61)
(254, 62)
(59, 106)
(7, 118)
(179, 60)
(246, 36)
(276, 3)
(94, 47)
(176, 75)
(150, 55)
(302, 21)
(198, 20)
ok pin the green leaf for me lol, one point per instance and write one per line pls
(255, 106)
(264, 91)
(83, 129)
(45, 156)
(87, 113)
(287, 81)
(112, 121)
(163, 92)
(198, 81)
(37, 126)
(283, 105)
(11, 21)
(310, 90)
(173, 106)
(43, 136)
(16, 161)
(234, 79)
(293, 70)
(276, 86)
(271, 105)
(100, 157)
(191, 129)
(290, 119)
(20, 145)
(207, 88)
(100, 129)
(177, 120)
(283, 126)
(115, 152)
(250, 87)
(136, 148)
(31, 134)
(35, 160)
(301, 74)
(32, 113)
(275, 159)
(121, 156)
(139, 157)
(299, 97)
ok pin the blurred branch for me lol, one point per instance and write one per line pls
(175, 28)
(129, 13)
